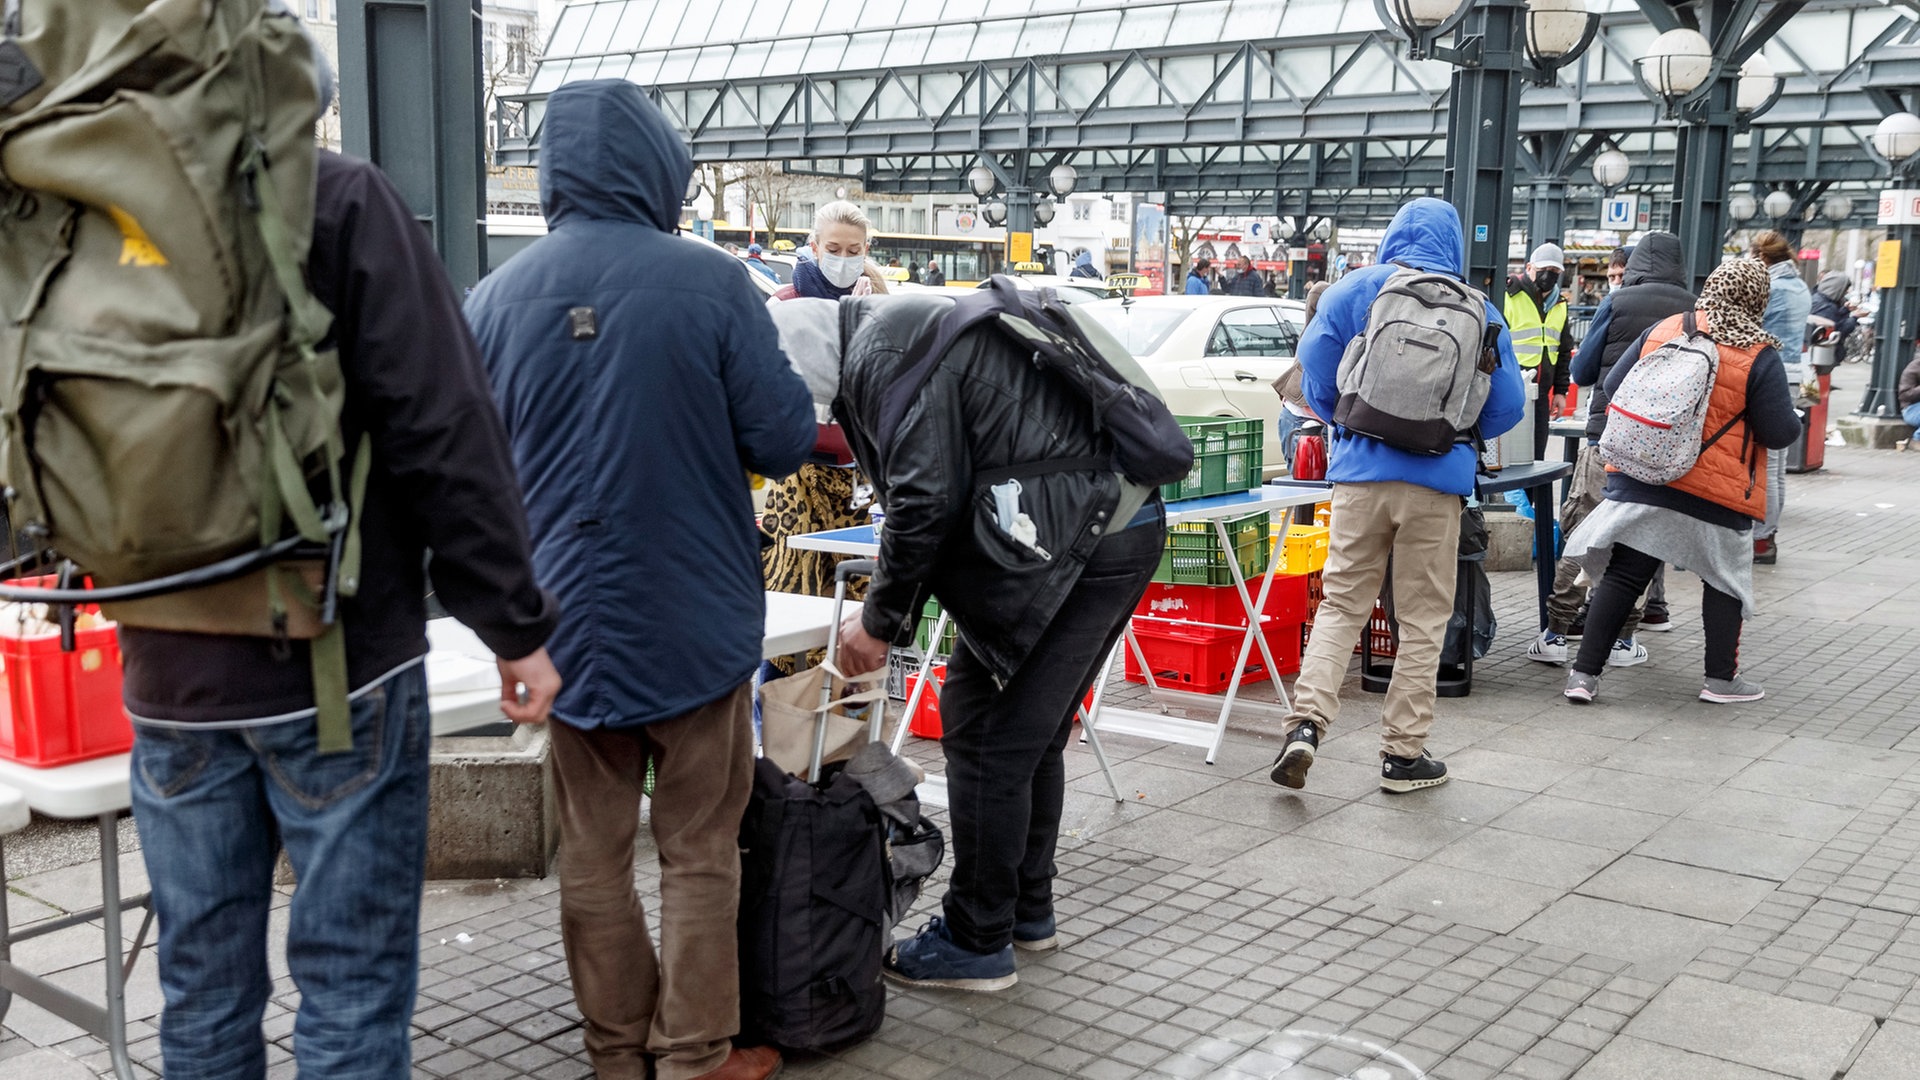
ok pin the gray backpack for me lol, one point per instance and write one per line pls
(1419, 374)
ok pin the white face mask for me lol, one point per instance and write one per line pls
(842, 270)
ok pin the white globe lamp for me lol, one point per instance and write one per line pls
(1742, 208)
(1678, 62)
(1898, 136)
(1611, 168)
(1555, 27)
(1778, 204)
(1757, 83)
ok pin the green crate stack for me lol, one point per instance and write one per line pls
(930, 615)
(1193, 555)
(1228, 456)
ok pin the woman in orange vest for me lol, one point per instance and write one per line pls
(1703, 521)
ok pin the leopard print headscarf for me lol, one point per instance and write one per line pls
(1735, 302)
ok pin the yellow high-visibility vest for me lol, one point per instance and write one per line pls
(1534, 337)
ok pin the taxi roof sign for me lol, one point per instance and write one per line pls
(783, 245)
(1126, 282)
(894, 273)
(1029, 268)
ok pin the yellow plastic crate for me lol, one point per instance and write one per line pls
(1306, 549)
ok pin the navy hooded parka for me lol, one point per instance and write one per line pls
(634, 443)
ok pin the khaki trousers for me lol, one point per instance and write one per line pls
(683, 1007)
(1420, 528)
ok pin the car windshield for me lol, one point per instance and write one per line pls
(1141, 329)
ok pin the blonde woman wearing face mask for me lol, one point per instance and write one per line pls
(829, 492)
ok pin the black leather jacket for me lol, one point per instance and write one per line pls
(985, 412)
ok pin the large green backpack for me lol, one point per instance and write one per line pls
(165, 407)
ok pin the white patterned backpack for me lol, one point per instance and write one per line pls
(1656, 418)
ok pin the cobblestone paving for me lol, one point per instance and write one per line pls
(1648, 887)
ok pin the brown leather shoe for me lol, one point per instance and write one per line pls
(747, 1063)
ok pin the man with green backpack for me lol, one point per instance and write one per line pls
(244, 404)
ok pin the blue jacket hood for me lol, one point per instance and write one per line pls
(606, 152)
(1426, 235)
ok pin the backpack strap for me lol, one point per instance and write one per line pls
(308, 323)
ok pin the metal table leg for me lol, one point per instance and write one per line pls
(1087, 733)
(923, 684)
(1256, 634)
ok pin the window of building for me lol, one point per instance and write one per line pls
(313, 10)
(1119, 210)
(1083, 211)
(520, 49)
(919, 221)
(806, 214)
(899, 219)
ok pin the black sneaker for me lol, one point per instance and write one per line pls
(1403, 774)
(1296, 757)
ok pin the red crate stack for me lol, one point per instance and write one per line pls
(1191, 634)
(58, 706)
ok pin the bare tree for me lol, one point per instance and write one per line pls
(509, 54)
(770, 189)
(1186, 231)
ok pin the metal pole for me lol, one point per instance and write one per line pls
(1894, 328)
(410, 102)
(1547, 211)
(1483, 124)
(1701, 179)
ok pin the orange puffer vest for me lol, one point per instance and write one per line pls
(1729, 473)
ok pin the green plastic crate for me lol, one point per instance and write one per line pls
(1228, 456)
(1193, 555)
(930, 615)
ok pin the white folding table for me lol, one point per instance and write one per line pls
(1216, 509)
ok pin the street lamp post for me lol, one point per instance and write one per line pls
(1496, 44)
(1611, 168)
(1897, 140)
(1018, 206)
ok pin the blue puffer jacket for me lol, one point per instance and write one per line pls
(1426, 235)
(634, 443)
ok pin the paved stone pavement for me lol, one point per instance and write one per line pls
(1651, 887)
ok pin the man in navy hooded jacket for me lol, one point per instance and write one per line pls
(1389, 502)
(641, 380)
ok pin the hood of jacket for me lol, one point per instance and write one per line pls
(1832, 285)
(1085, 258)
(609, 154)
(1426, 235)
(1657, 257)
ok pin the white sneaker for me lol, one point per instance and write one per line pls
(1548, 648)
(1626, 653)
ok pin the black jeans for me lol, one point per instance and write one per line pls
(1628, 573)
(1006, 779)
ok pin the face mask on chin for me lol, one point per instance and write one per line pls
(842, 270)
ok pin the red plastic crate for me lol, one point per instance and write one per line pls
(1202, 661)
(1384, 640)
(59, 707)
(925, 721)
(1219, 605)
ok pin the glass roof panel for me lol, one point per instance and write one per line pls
(1145, 26)
(729, 22)
(566, 32)
(1252, 20)
(951, 44)
(866, 50)
(997, 39)
(1194, 24)
(955, 11)
(909, 47)
(634, 19)
(1044, 36)
(803, 16)
(786, 57)
(749, 60)
(677, 67)
(549, 75)
(645, 69)
(824, 53)
(1093, 31)
(694, 26)
(600, 27)
(884, 14)
(841, 15)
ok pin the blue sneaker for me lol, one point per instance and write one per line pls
(1036, 935)
(930, 958)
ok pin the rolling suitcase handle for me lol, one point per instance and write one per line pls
(848, 569)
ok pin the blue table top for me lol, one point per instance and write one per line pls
(1521, 477)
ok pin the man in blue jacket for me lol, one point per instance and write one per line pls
(641, 380)
(1389, 502)
(1197, 277)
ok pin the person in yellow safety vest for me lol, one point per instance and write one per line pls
(1536, 312)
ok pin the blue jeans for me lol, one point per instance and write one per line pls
(214, 808)
(1289, 426)
(1911, 414)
